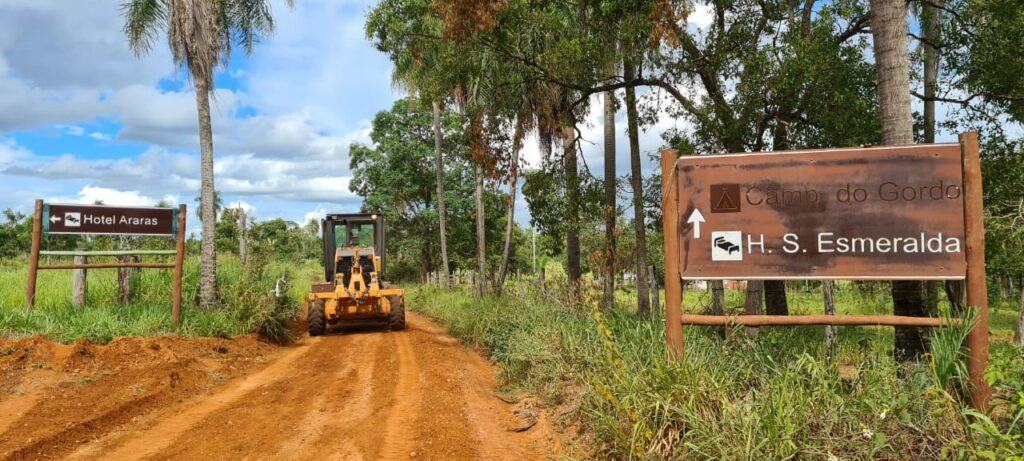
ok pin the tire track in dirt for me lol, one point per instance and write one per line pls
(404, 412)
(354, 395)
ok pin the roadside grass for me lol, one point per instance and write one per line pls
(248, 303)
(775, 396)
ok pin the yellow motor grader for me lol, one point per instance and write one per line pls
(354, 292)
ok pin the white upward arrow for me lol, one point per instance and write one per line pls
(54, 219)
(696, 218)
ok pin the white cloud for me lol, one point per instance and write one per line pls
(248, 207)
(94, 194)
(65, 45)
(317, 214)
(11, 151)
(701, 16)
(74, 130)
(320, 63)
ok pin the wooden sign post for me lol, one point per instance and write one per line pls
(108, 220)
(889, 213)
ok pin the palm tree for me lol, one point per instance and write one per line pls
(892, 64)
(218, 205)
(199, 34)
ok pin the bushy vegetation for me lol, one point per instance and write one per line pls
(773, 396)
(247, 292)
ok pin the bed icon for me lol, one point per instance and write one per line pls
(726, 246)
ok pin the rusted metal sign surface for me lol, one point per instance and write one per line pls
(101, 219)
(879, 213)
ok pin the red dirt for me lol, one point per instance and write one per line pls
(350, 396)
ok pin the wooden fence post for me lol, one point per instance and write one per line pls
(655, 291)
(33, 256)
(80, 283)
(829, 299)
(670, 226)
(179, 262)
(977, 292)
(125, 277)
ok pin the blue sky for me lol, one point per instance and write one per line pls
(82, 119)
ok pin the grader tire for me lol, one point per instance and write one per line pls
(316, 321)
(397, 320)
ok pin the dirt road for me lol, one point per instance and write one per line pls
(364, 395)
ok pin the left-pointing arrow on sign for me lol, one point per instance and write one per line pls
(54, 219)
(696, 218)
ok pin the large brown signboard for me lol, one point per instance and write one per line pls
(877, 213)
(101, 219)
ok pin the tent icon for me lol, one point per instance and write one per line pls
(725, 198)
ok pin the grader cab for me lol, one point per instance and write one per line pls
(354, 291)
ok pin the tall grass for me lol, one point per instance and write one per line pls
(775, 396)
(246, 292)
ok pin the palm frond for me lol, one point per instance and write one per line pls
(143, 20)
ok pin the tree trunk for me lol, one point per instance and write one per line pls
(829, 297)
(655, 291)
(931, 19)
(512, 185)
(775, 302)
(243, 247)
(439, 172)
(910, 342)
(208, 253)
(1018, 336)
(608, 301)
(892, 65)
(755, 293)
(636, 181)
(572, 186)
(718, 301)
(957, 297)
(481, 246)
(79, 283)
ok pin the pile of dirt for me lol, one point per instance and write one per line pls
(54, 397)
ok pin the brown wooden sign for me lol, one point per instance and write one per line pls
(101, 219)
(878, 213)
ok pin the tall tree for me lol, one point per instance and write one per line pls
(513, 182)
(892, 63)
(439, 173)
(572, 196)
(930, 13)
(643, 306)
(610, 210)
(200, 34)
(481, 243)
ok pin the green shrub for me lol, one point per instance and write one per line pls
(775, 396)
